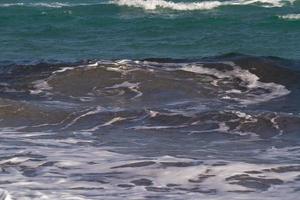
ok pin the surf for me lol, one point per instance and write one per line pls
(202, 5)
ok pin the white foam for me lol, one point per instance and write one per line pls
(14, 160)
(203, 5)
(41, 4)
(89, 112)
(51, 5)
(4, 195)
(251, 80)
(47, 4)
(275, 124)
(87, 67)
(155, 127)
(109, 123)
(131, 86)
(11, 4)
(40, 86)
(154, 4)
(290, 17)
(70, 176)
(114, 120)
(222, 128)
(242, 115)
(63, 70)
(153, 113)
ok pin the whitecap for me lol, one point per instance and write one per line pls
(290, 17)
(154, 4)
(40, 86)
(203, 5)
(250, 80)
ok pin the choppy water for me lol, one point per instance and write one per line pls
(133, 99)
(34, 30)
(158, 128)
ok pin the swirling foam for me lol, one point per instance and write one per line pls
(250, 80)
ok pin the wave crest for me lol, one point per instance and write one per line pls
(290, 17)
(203, 5)
(160, 4)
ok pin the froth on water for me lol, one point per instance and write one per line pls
(215, 128)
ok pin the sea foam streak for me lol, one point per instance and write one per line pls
(203, 5)
(290, 17)
(250, 80)
(46, 5)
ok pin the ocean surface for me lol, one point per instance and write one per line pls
(149, 99)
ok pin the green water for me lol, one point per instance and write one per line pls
(76, 30)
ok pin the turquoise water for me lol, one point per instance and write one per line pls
(76, 30)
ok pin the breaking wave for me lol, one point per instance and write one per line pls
(200, 129)
(169, 91)
(160, 4)
(290, 17)
(202, 5)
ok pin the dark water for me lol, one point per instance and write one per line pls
(223, 127)
(133, 99)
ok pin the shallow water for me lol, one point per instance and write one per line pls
(143, 99)
(215, 128)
